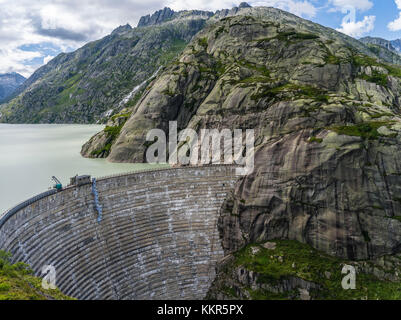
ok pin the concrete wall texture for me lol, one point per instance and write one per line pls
(158, 237)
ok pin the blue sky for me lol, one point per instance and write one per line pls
(33, 32)
(385, 11)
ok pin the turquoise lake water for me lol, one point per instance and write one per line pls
(31, 154)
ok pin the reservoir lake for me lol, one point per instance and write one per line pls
(31, 154)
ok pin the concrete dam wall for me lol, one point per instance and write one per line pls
(157, 238)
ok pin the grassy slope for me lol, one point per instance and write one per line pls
(294, 259)
(18, 283)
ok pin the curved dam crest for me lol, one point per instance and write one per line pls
(158, 238)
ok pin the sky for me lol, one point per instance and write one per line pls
(32, 32)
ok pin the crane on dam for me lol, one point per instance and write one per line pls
(58, 186)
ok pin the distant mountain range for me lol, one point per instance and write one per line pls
(9, 82)
(389, 50)
(98, 80)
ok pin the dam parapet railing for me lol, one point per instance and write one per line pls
(9, 213)
(164, 169)
(12, 211)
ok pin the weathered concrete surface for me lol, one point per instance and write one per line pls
(158, 238)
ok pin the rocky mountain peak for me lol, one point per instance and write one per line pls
(244, 5)
(158, 17)
(9, 82)
(168, 14)
(397, 45)
(378, 41)
(122, 29)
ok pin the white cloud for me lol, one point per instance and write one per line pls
(63, 24)
(15, 60)
(362, 5)
(200, 4)
(47, 59)
(396, 24)
(70, 24)
(302, 8)
(358, 28)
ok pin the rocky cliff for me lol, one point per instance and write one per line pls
(392, 45)
(326, 114)
(384, 49)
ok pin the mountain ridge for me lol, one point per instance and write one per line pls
(9, 83)
(80, 87)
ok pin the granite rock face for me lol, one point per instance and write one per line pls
(341, 196)
(326, 116)
(287, 269)
(167, 14)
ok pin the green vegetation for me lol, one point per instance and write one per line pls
(295, 36)
(169, 92)
(105, 151)
(314, 139)
(113, 132)
(376, 77)
(365, 61)
(255, 79)
(219, 30)
(290, 37)
(366, 236)
(367, 130)
(220, 68)
(374, 48)
(176, 47)
(294, 259)
(332, 59)
(70, 88)
(260, 69)
(134, 100)
(290, 90)
(121, 115)
(383, 114)
(203, 43)
(112, 135)
(18, 283)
